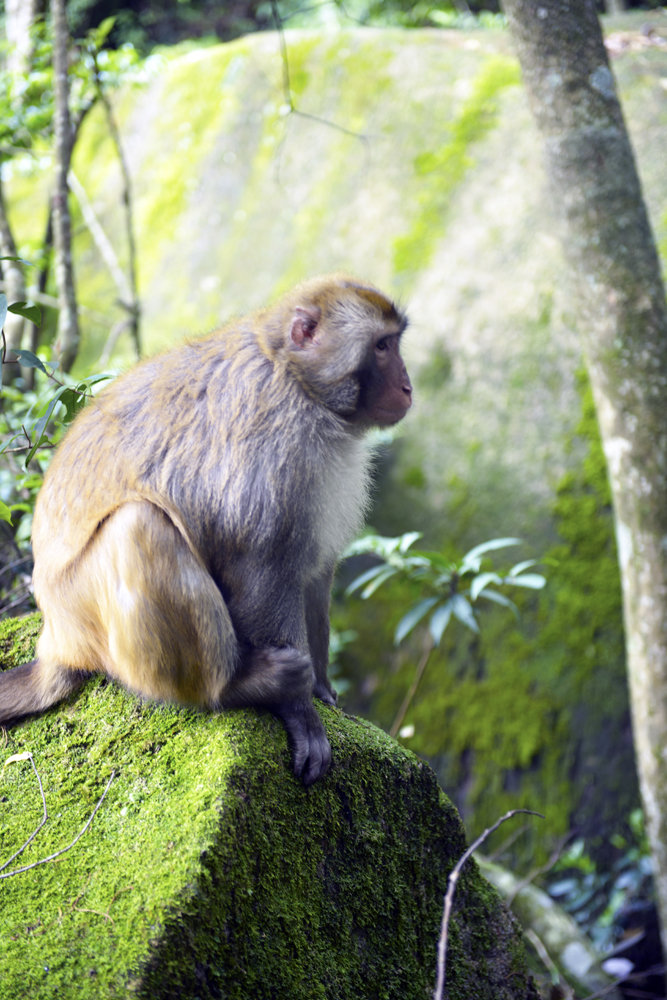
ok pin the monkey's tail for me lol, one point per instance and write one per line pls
(34, 687)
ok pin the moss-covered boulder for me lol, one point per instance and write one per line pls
(208, 871)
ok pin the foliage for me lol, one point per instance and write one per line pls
(172, 21)
(442, 581)
(26, 102)
(521, 715)
(32, 422)
(593, 894)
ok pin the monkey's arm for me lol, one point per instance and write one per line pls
(275, 670)
(317, 598)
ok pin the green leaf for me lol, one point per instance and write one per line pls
(480, 582)
(369, 589)
(32, 313)
(436, 560)
(103, 29)
(88, 383)
(533, 581)
(376, 545)
(439, 621)
(29, 360)
(473, 558)
(520, 567)
(412, 618)
(365, 577)
(39, 428)
(19, 260)
(73, 401)
(5, 512)
(408, 539)
(462, 610)
(492, 595)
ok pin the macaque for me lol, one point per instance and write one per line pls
(188, 528)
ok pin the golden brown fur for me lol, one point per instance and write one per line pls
(188, 527)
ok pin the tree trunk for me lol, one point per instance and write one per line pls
(67, 340)
(623, 319)
(14, 289)
(19, 18)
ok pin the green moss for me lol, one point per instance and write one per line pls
(438, 172)
(17, 639)
(209, 871)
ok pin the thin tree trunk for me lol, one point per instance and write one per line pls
(19, 18)
(623, 320)
(14, 288)
(133, 304)
(67, 340)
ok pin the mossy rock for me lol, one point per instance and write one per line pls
(209, 871)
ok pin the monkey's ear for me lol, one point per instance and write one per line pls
(304, 325)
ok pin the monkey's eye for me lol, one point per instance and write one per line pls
(382, 345)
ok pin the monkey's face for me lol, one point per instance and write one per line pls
(345, 346)
(385, 390)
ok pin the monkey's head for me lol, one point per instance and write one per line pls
(341, 340)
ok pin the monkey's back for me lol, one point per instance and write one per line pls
(201, 433)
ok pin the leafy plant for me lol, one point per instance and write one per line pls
(450, 589)
(593, 895)
(32, 421)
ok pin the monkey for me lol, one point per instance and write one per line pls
(187, 530)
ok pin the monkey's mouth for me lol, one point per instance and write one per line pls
(387, 418)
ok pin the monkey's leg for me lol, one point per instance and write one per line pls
(281, 680)
(317, 598)
(169, 634)
(166, 629)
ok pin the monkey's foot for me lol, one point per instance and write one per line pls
(311, 753)
(324, 691)
(281, 679)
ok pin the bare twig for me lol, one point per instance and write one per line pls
(287, 83)
(133, 305)
(10, 760)
(507, 843)
(68, 335)
(63, 850)
(112, 339)
(19, 596)
(99, 913)
(449, 895)
(655, 970)
(49, 300)
(545, 958)
(100, 238)
(541, 869)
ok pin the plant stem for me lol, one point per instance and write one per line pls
(419, 672)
